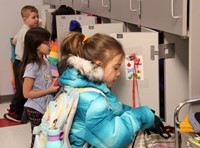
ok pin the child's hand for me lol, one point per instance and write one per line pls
(54, 88)
(56, 82)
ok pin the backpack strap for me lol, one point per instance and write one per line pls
(95, 90)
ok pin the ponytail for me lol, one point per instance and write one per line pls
(72, 44)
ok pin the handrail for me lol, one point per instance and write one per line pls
(172, 10)
(176, 119)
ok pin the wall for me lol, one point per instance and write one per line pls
(11, 22)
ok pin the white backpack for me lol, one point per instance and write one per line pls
(60, 114)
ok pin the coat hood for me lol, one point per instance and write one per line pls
(87, 68)
(82, 73)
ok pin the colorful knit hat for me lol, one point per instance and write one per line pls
(194, 119)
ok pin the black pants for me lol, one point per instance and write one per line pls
(17, 103)
(35, 118)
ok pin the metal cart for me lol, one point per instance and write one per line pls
(178, 138)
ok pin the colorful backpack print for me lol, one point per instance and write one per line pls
(59, 115)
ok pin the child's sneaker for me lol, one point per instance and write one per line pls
(12, 116)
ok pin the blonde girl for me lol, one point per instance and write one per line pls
(102, 121)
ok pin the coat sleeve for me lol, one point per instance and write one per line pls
(105, 129)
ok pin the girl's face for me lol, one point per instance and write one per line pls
(112, 70)
(44, 48)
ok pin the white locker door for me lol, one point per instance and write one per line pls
(49, 21)
(40, 9)
(90, 30)
(44, 17)
(63, 22)
(139, 43)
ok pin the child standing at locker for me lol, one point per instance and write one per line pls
(53, 56)
(30, 19)
(38, 85)
(102, 121)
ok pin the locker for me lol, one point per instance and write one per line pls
(81, 5)
(168, 15)
(90, 30)
(130, 13)
(63, 22)
(46, 21)
(42, 7)
(100, 8)
(176, 77)
(146, 90)
(49, 21)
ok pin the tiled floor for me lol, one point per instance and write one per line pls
(14, 136)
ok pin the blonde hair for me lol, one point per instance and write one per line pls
(71, 44)
(26, 10)
(100, 47)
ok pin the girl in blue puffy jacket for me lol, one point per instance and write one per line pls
(103, 122)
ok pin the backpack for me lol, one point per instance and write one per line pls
(149, 139)
(60, 114)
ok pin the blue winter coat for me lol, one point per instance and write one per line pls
(94, 121)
